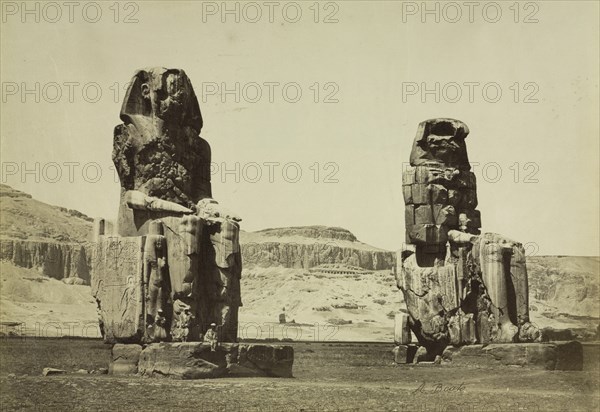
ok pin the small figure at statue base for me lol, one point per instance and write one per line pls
(211, 337)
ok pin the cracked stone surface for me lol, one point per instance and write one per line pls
(172, 267)
(460, 286)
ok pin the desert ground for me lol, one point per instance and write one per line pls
(317, 307)
(336, 376)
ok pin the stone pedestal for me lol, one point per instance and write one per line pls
(548, 356)
(404, 353)
(196, 360)
(125, 359)
(402, 334)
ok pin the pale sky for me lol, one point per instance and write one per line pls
(370, 60)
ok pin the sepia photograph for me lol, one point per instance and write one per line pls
(304, 206)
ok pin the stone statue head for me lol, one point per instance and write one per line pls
(441, 142)
(161, 97)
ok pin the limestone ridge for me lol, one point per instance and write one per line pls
(69, 262)
(307, 247)
(52, 239)
(316, 232)
(55, 241)
(29, 219)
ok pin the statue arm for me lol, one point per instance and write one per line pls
(461, 237)
(138, 200)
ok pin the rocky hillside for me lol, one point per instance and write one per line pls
(51, 239)
(309, 246)
(23, 217)
(55, 241)
(571, 284)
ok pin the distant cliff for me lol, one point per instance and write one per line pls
(69, 262)
(569, 283)
(313, 232)
(308, 246)
(50, 239)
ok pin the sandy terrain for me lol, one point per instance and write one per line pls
(327, 377)
(317, 307)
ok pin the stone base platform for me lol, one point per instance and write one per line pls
(196, 360)
(549, 356)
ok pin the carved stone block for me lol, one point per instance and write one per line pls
(118, 286)
(420, 194)
(424, 215)
(444, 214)
(184, 271)
(459, 287)
(195, 360)
(192, 360)
(124, 359)
(404, 354)
(439, 194)
(428, 234)
(407, 194)
(422, 174)
(462, 329)
(402, 335)
(408, 177)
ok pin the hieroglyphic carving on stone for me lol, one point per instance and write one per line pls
(117, 285)
(460, 287)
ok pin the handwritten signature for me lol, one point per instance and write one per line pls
(439, 387)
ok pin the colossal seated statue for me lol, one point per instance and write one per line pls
(460, 286)
(174, 266)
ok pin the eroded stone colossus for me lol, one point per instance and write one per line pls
(173, 266)
(460, 286)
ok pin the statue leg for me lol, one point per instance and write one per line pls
(226, 263)
(234, 296)
(518, 274)
(183, 248)
(156, 280)
(428, 293)
(225, 311)
(495, 279)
